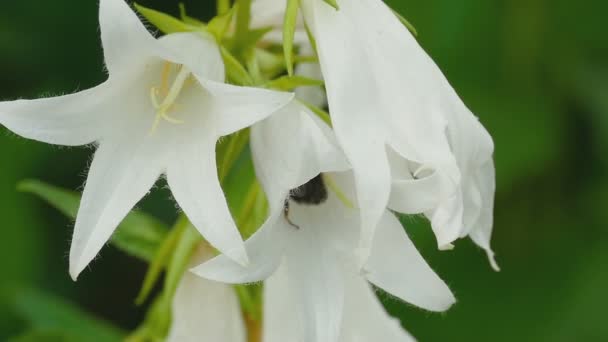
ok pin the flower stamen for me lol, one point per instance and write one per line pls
(170, 95)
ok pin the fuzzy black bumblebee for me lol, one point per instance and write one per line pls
(314, 192)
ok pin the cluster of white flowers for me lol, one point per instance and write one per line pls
(399, 141)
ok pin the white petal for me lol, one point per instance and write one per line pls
(313, 95)
(204, 310)
(482, 231)
(290, 148)
(265, 249)
(365, 319)
(281, 319)
(198, 52)
(355, 99)
(122, 172)
(316, 282)
(125, 39)
(396, 266)
(236, 108)
(70, 120)
(192, 177)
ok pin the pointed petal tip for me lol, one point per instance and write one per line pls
(75, 272)
(492, 259)
(446, 247)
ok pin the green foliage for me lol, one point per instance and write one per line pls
(289, 30)
(288, 83)
(54, 319)
(139, 234)
(164, 22)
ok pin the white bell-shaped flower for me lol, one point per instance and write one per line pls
(316, 244)
(387, 96)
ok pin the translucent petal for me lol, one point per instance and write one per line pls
(290, 148)
(482, 231)
(192, 177)
(396, 266)
(265, 249)
(125, 39)
(198, 52)
(316, 281)
(204, 310)
(70, 120)
(365, 319)
(120, 175)
(236, 108)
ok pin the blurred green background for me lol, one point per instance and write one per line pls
(534, 71)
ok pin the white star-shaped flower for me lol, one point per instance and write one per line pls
(161, 111)
(317, 244)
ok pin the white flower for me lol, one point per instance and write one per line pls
(364, 317)
(161, 111)
(205, 310)
(319, 256)
(385, 93)
(468, 211)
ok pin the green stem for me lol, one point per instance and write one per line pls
(223, 6)
(243, 18)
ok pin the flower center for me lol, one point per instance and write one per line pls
(163, 98)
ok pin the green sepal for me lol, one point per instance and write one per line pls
(289, 31)
(157, 265)
(271, 64)
(218, 26)
(332, 3)
(322, 114)
(286, 83)
(164, 22)
(406, 23)
(235, 71)
(139, 234)
(188, 19)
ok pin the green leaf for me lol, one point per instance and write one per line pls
(164, 22)
(44, 336)
(44, 312)
(406, 23)
(289, 31)
(291, 82)
(139, 234)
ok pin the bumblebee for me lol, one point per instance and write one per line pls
(314, 192)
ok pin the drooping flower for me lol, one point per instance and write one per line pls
(386, 95)
(161, 111)
(205, 310)
(365, 319)
(316, 245)
(468, 211)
